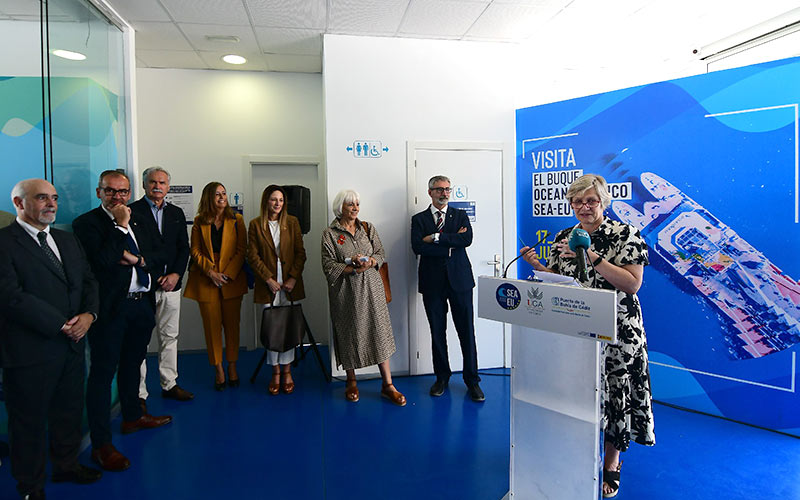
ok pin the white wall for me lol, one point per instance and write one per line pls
(202, 125)
(398, 90)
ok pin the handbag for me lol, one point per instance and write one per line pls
(282, 327)
(383, 270)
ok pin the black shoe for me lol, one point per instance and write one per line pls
(219, 386)
(80, 475)
(475, 393)
(34, 495)
(234, 383)
(438, 387)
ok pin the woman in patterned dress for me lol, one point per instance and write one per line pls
(362, 331)
(618, 255)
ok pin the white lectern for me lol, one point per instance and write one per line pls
(556, 427)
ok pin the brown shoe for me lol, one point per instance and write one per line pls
(288, 387)
(146, 421)
(274, 386)
(177, 393)
(351, 392)
(393, 395)
(143, 405)
(109, 458)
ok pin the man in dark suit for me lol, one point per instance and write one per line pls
(48, 300)
(122, 252)
(440, 236)
(168, 221)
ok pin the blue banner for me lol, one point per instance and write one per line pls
(707, 169)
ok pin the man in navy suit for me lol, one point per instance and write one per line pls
(440, 236)
(122, 252)
(169, 222)
(48, 301)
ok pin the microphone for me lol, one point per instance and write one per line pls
(538, 242)
(579, 242)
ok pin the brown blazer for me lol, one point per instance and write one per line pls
(231, 258)
(262, 258)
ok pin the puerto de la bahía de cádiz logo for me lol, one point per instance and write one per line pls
(508, 296)
(534, 304)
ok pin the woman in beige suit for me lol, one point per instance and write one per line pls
(275, 251)
(216, 280)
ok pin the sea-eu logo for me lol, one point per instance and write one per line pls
(508, 296)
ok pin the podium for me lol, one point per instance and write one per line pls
(556, 414)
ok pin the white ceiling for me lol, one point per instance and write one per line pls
(286, 35)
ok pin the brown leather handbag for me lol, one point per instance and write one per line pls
(384, 270)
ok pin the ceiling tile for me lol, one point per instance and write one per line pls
(366, 16)
(294, 63)
(159, 36)
(182, 59)
(441, 17)
(288, 13)
(508, 22)
(140, 10)
(290, 41)
(197, 36)
(255, 61)
(230, 12)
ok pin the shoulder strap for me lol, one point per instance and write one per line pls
(366, 227)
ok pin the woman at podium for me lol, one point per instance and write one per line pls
(615, 258)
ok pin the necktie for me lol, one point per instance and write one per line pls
(51, 255)
(439, 221)
(141, 275)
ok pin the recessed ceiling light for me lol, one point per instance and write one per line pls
(234, 59)
(67, 54)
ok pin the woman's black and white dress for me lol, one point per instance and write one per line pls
(628, 411)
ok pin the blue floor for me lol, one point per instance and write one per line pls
(243, 443)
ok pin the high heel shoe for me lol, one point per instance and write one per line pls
(233, 383)
(274, 384)
(351, 392)
(219, 386)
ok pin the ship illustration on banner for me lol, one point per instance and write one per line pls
(761, 303)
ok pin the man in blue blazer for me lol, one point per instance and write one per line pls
(169, 222)
(123, 252)
(48, 301)
(440, 236)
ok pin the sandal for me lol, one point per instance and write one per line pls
(392, 394)
(351, 392)
(611, 478)
(288, 387)
(274, 384)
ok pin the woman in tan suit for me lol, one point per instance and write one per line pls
(275, 251)
(216, 280)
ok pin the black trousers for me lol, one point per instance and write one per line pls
(118, 344)
(38, 398)
(436, 311)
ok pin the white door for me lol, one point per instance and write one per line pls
(476, 177)
(315, 305)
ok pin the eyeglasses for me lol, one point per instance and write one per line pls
(591, 203)
(442, 190)
(113, 192)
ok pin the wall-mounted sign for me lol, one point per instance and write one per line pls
(459, 193)
(182, 197)
(367, 149)
(467, 206)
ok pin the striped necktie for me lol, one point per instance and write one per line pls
(51, 255)
(439, 221)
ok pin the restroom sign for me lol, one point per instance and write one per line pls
(367, 149)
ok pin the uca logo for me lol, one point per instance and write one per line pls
(534, 302)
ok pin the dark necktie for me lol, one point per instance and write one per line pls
(141, 275)
(439, 221)
(51, 255)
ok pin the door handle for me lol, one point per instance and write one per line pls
(496, 263)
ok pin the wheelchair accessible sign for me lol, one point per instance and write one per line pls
(367, 149)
